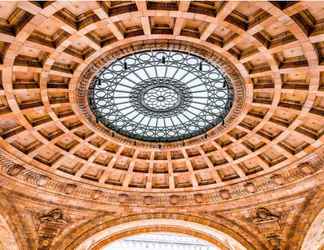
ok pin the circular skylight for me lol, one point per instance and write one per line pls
(161, 96)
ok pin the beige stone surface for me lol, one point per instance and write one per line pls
(257, 179)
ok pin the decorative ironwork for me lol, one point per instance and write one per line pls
(161, 95)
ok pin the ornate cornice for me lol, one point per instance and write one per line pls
(280, 181)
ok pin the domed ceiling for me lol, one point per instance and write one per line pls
(55, 129)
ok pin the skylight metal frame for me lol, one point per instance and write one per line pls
(119, 93)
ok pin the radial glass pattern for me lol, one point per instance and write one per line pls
(161, 95)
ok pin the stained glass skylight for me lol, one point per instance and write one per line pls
(161, 95)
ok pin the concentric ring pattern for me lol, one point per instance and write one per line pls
(161, 96)
(276, 49)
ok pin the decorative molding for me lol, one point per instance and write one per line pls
(288, 175)
(50, 226)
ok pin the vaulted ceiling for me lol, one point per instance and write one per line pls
(272, 139)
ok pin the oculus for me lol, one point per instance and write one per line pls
(161, 95)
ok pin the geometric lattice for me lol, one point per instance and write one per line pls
(161, 95)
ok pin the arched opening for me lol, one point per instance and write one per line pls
(212, 237)
(7, 238)
(314, 239)
(159, 241)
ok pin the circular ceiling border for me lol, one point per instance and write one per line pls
(89, 74)
(160, 96)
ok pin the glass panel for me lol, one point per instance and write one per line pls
(161, 95)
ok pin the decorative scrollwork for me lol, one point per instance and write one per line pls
(161, 95)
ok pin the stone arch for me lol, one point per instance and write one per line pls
(314, 239)
(11, 231)
(305, 231)
(7, 238)
(217, 230)
(161, 228)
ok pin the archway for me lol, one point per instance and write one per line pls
(7, 238)
(314, 239)
(221, 233)
(160, 240)
(12, 227)
(212, 235)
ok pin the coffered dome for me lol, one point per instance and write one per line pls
(127, 118)
(145, 98)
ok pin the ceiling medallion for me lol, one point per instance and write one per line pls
(161, 95)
